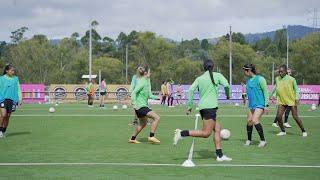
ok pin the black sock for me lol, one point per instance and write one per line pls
(151, 134)
(185, 133)
(283, 129)
(1, 129)
(260, 131)
(275, 120)
(249, 132)
(219, 153)
(4, 129)
(303, 130)
(133, 137)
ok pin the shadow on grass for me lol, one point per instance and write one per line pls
(18, 133)
(145, 140)
(276, 132)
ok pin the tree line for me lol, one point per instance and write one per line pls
(38, 60)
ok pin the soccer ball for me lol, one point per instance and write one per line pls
(124, 106)
(225, 134)
(313, 107)
(52, 110)
(115, 107)
(236, 104)
(56, 104)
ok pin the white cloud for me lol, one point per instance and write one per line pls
(174, 19)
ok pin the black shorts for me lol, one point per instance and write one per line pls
(142, 112)
(209, 113)
(9, 105)
(103, 93)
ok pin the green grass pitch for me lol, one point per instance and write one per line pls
(78, 134)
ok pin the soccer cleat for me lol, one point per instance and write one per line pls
(304, 134)
(248, 143)
(224, 158)
(262, 144)
(1, 134)
(287, 125)
(177, 136)
(275, 125)
(134, 141)
(281, 133)
(153, 140)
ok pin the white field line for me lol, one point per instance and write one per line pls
(155, 164)
(130, 115)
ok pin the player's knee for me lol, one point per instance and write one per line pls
(157, 118)
(206, 134)
(279, 118)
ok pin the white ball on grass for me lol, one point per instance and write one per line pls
(124, 106)
(225, 134)
(236, 104)
(52, 110)
(313, 107)
(115, 107)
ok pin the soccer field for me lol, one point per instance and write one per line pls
(77, 142)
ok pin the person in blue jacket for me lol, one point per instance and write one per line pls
(10, 96)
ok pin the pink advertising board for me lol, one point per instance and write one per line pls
(33, 93)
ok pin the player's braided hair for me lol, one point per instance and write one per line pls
(208, 66)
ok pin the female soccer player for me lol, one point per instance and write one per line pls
(179, 94)
(10, 96)
(103, 92)
(287, 94)
(258, 98)
(164, 93)
(170, 92)
(208, 85)
(139, 99)
(244, 93)
(287, 111)
(90, 92)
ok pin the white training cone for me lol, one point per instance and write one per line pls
(188, 163)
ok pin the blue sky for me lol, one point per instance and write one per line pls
(175, 19)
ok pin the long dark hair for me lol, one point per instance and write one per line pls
(208, 66)
(250, 67)
(284, 67)
(141, 70)
(7, 68)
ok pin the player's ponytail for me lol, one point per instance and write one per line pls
(7, 68)
(208, 66)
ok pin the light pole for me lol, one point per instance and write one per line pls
(90, 52)
(127, 64)
(230, 57)
(287, 47)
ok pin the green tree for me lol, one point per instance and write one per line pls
(304, 59)
(111, 69)
(17, 35)
(205, 44)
